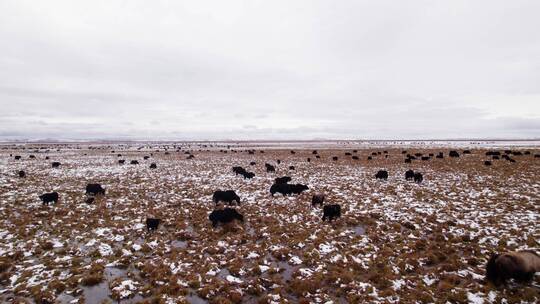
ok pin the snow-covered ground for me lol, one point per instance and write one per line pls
(396, 242)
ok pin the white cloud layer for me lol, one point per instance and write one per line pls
(269, 69)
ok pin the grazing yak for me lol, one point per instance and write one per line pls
(292, 168)
(134, 162)
(153, 166)
(425, 158)
(270, 168)
(46, 198)
(17, 157)
(409, 175)
(355, 157)
(90, 200)
(238, 170)
(146, 157)
(440, 155)
(121, 161)
(152, 224)
(22, 174)
(252, 163)
(282, 180)
(418, 178)
(487, 163)
(94, 189)
(317, 199)
(453, 153)
(225, 216)
(55, 164)
(382, 174)
(520, 265)
(335, 158)
(407, 160)
(287, 189)
(369, 158)
(331, 212)
(228, 196)
(248, 175)
(308, 159)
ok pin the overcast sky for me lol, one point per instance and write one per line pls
(269, 69)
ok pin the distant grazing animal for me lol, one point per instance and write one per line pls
(238, 170)
(418, 154)
(46, 198)
(153, 166)
(369, 158)
(407, 160)
(487, 163)
(355, 157)
(292, 152)
(46, 158)
(22, 174)
(287, 189)
(191, 156)
(466, 151)
(418, 178)
(90, 200)
(248, 175)
(225, 216)
(453, 154)
(17, 157)
(146, 157)
(278, 161)
(520, 265)
(291, 168)
(317, 199)
(317, 156)
(331, 212)
(314, 152)
(308, 159)
(537, 156)
(270, 168)
(152, 224)
(425, 157)
(409, 175)
(55, 164)
(31, 156)
(334, 158)
(228, 196)
(252, 163)
(440, 155)
(511, 160)
(282, 180)
(121, 161)
(382, 174)
(348, 154)
(94, 189)
(134, 162)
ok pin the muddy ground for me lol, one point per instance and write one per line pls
(396, 242)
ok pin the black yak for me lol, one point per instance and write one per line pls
(287, 189)
(121, 161)
(520, 266)
(55, 164)
(153, 166)
(334, 158)
(252, 163)
(317, 199)
(46, 198)
(487, 163)
(238, 170)
(292, 168)
(331, 212)
(382, 174)
(453, 154)
(418, 178)
(228, 196)
(146, 157)
(224, 216)
(355, 157)
(152, 224)
(22, 174)
(248, 175)
(409, 175)
(94, 189)
(270, 168)
(17, 157)
(134, 162)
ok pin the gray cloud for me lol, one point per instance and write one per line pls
(269, 69)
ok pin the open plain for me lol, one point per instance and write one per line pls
(396, 241)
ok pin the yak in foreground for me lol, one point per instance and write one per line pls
(520, 266)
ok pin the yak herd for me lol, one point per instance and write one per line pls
(500, 267)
